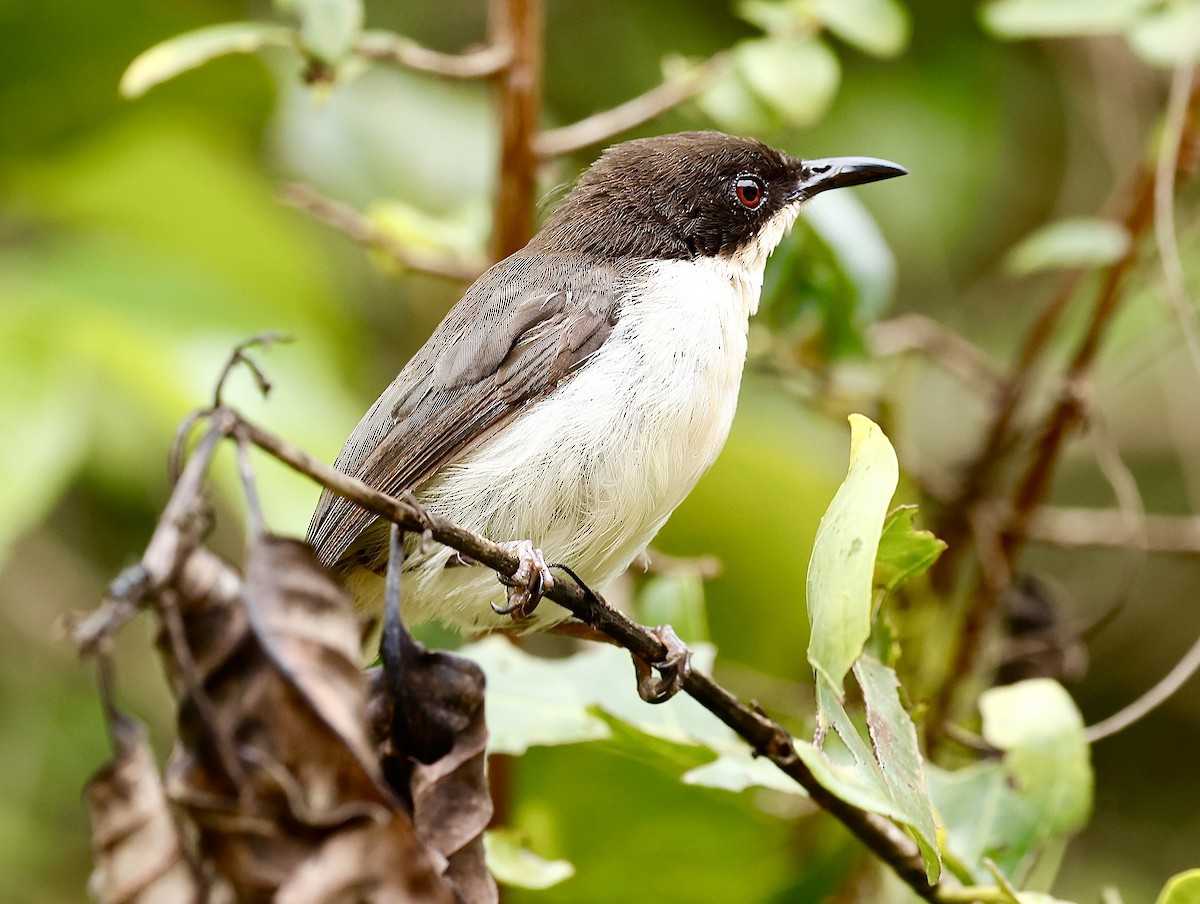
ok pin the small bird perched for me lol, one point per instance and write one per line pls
(575, 395)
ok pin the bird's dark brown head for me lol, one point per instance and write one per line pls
(692, 194)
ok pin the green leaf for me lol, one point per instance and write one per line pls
(1041, 732)
(529, 701)
(328, 28)
(841, 570)
(894, 741)
(533, 701)
(1074, 242)
(904, 551)
(1183, 888)
(1168, 37)
(1060, 18)
(878, 27)
(187, 51)
(604, 677)
(514, 864)
(795, 76)
(984, 817)
(843, 762)
(788, 17)
(731, 104)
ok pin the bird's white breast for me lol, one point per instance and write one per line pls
(591, 472)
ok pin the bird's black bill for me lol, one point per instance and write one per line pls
(838, 172)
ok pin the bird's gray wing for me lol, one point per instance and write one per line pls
(522, 329)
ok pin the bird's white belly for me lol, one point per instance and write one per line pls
(591, 472)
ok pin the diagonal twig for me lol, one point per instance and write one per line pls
(607, 124)
(767, 738)
(478, 63)
(349, 221)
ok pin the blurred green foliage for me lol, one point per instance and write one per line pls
(140, 240)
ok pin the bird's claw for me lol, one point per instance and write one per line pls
(528, 584)
(672, 671)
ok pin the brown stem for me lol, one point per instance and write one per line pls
(516, 24)
(607, 124)
(1065, 415)
(385, 47)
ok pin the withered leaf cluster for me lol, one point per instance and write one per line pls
(294, 777)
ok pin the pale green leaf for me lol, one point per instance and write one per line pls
(1073, 242)
(904, 551)
(603, 676)
(1183, 888)
(779, 17)
(877, 27)
(329, 28)
(187, 51)
(847, 782)
(841, 570)
(529, 701)
(894, 741)
(737, 771)
(731, 104)
(1168, 37)
(533, 701)
(514, 864)
(1037, 897)
(795, 76)
(1040, 730)
(983, 817)
(1060, 18)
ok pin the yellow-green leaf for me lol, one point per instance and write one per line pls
(841, 570)
(514, 864)
(169, 58)
(1183, 888)
(904, 551)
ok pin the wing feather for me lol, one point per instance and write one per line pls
(509, 342)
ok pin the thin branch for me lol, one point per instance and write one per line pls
(178, 532)
(764, 735)
(239, 356)
(1068, 411)
(1115, 529)
(478, 63)
(607, 124)
(349, 221)
(1164, 206)
(1066, 414)
(1151, 700)
(956, 355)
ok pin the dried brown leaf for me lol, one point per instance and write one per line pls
(139, 853)
(370, 864)
(273, 762)
(437, 753)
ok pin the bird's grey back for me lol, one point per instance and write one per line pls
(521, 329)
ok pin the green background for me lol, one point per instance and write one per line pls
(139, 240)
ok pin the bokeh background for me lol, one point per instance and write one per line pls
(140, 239)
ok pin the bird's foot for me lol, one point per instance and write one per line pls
(672, 671)
(528, 584)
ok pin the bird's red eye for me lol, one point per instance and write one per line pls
(750, 191)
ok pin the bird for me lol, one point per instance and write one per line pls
(574, 396)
